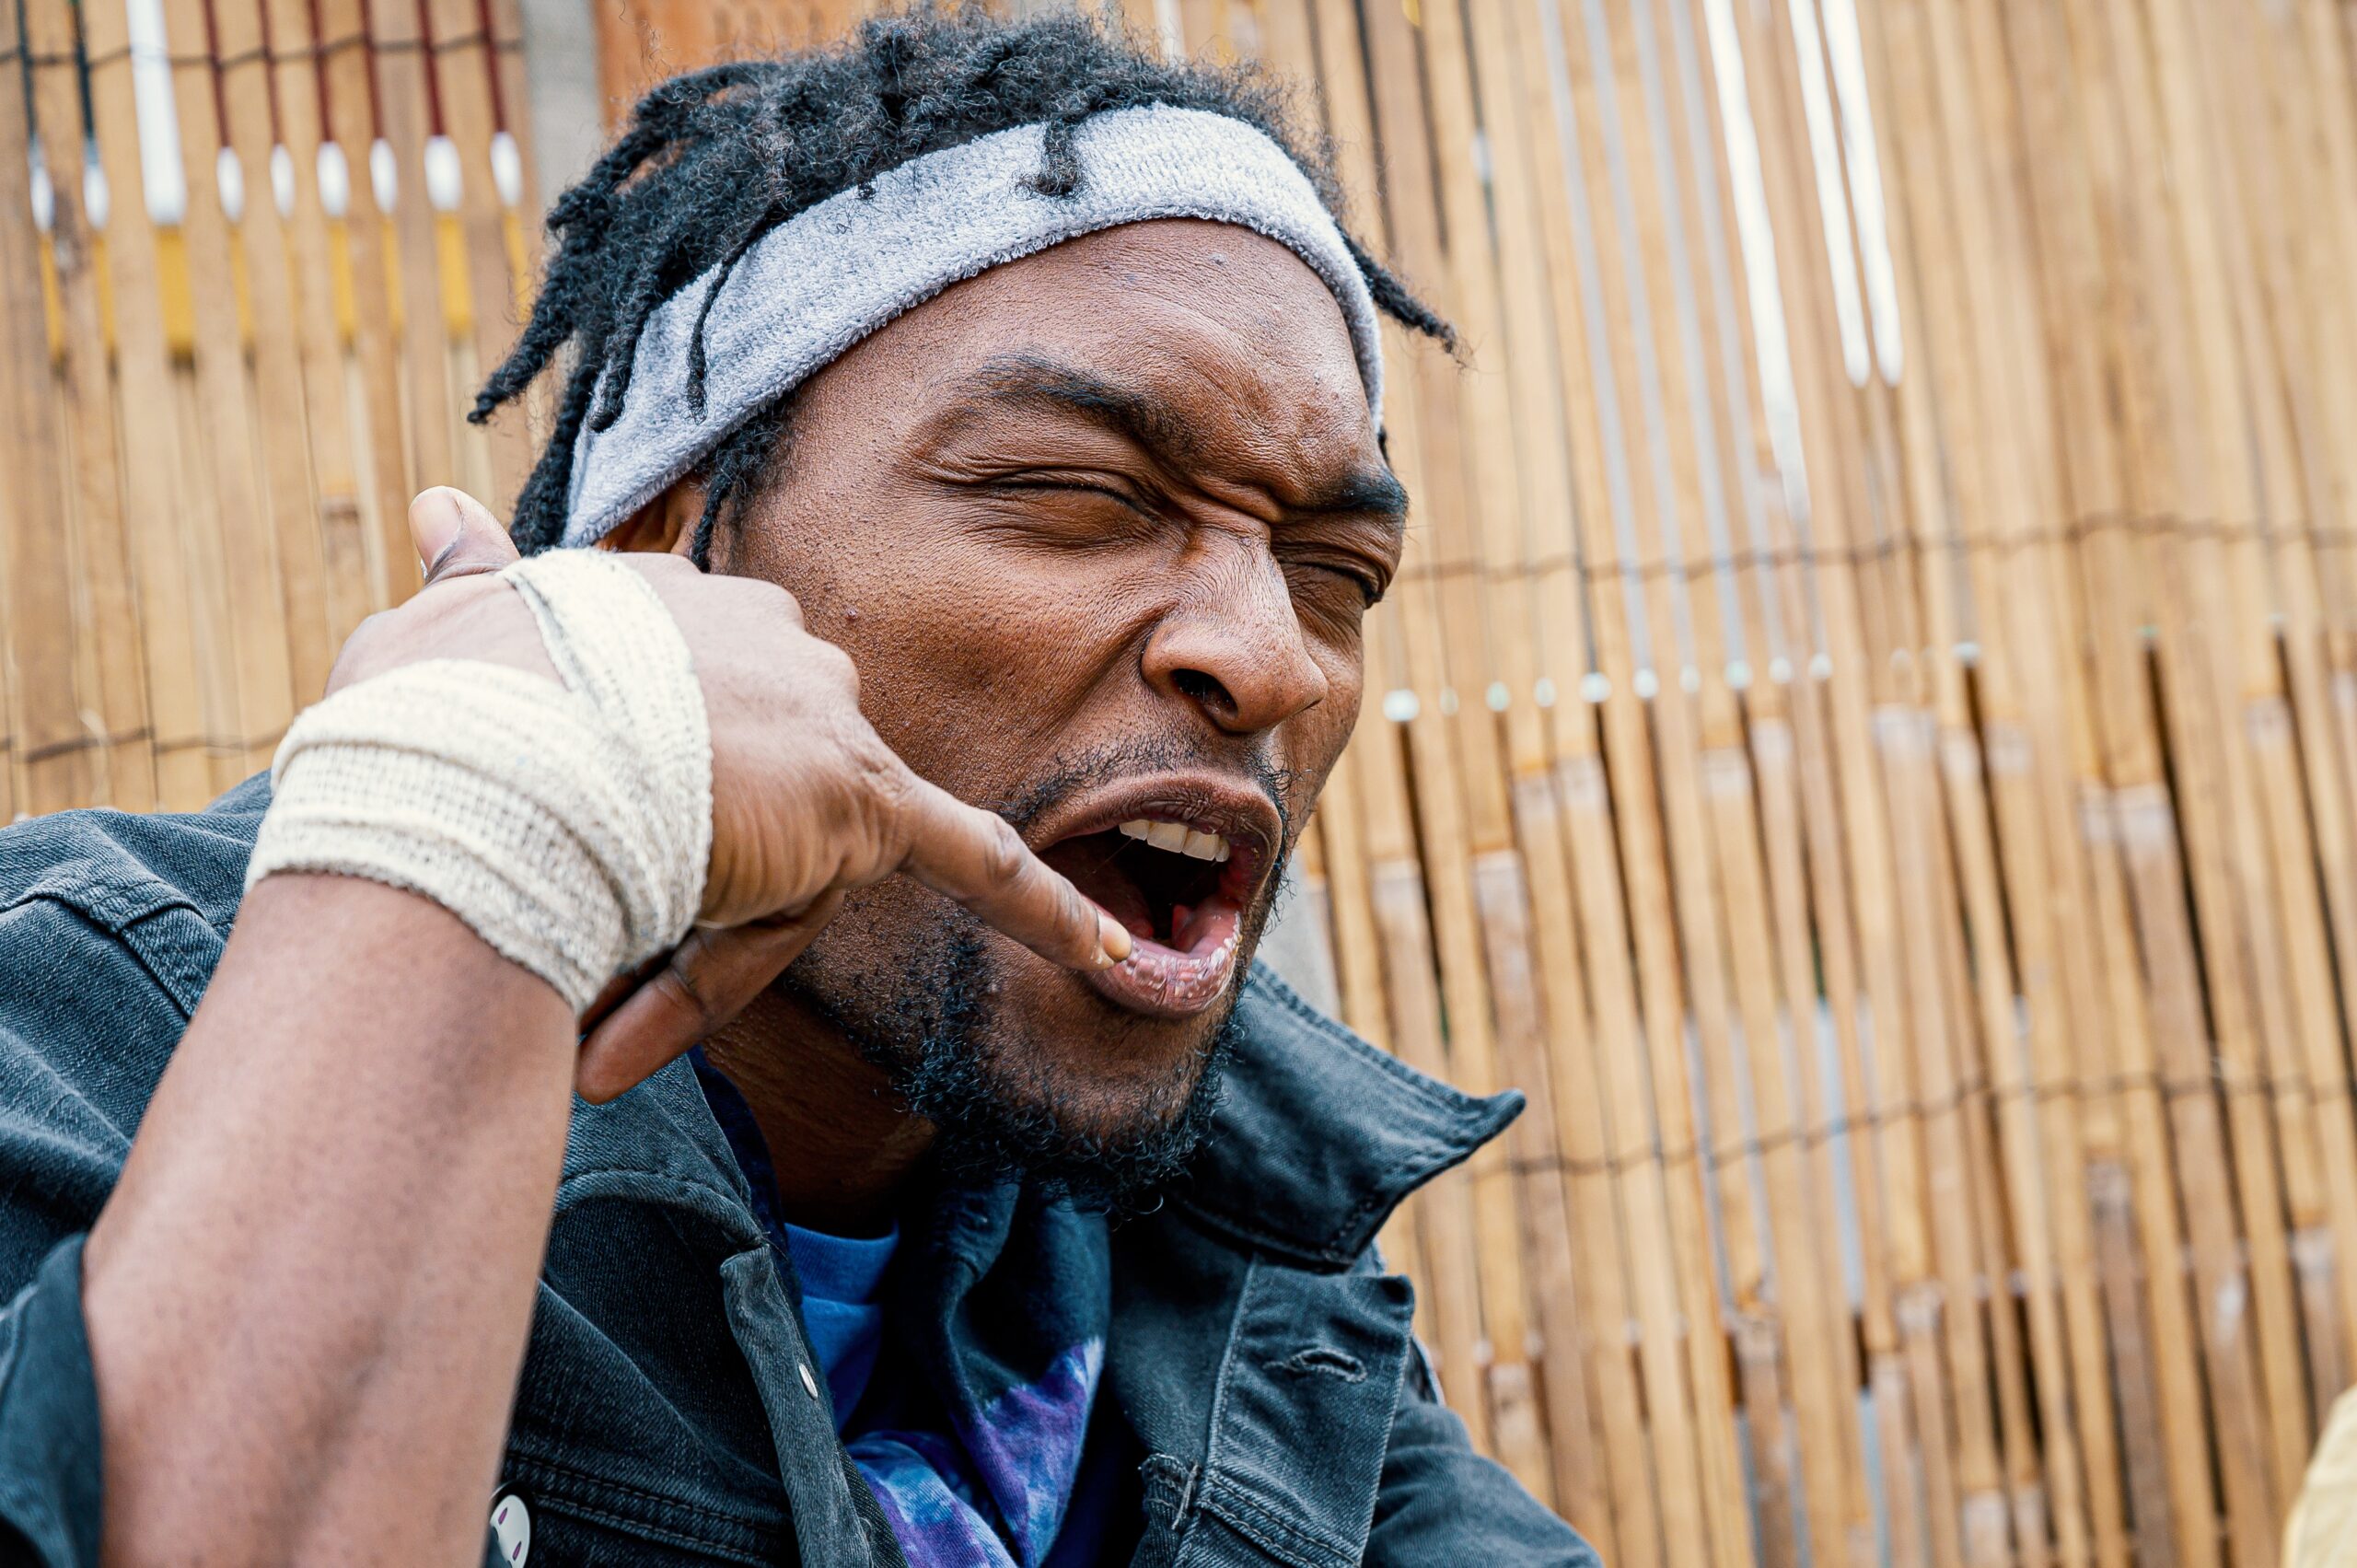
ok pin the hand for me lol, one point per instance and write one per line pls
(807, 802)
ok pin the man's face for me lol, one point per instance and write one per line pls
(1097, 527)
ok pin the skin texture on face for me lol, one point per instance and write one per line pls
(1095, 527)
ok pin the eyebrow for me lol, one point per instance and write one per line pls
(1026, 381)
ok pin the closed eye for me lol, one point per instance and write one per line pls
(1034, 483)
(1027, 481)
(1366, 587)
(1370, 587)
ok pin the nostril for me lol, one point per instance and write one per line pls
(1204, 689)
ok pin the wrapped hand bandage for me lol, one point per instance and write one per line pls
(570, 828)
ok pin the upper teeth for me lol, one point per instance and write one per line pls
(1178, 838)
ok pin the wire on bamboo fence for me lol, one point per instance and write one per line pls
(1866, 735)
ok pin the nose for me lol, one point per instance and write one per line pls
(1234, 646)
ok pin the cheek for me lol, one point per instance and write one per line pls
(956, 643)
(971, 669)
(1316, 739)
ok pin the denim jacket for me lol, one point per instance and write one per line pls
(1259, 1363)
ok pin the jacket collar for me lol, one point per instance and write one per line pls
(1318, 1136)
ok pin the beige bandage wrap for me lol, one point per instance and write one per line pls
(571, 830)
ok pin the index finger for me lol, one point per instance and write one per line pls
(980, 861)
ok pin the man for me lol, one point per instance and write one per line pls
(942, 1186)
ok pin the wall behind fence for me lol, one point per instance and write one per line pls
(1866, 738)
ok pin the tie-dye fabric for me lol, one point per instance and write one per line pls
(971, 1430)
(995, 1491)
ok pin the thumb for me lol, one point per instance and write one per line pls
(456, 536)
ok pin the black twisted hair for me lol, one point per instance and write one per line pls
(716, 159)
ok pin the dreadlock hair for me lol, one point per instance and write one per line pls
(714, 159)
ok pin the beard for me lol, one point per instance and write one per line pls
(1001, 1108)
(997, 1119)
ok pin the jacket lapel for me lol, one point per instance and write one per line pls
(1318, 1136)
(1274, 1451)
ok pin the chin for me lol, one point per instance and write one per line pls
(1025, 1070)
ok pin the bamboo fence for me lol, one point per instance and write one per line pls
(1866, 736)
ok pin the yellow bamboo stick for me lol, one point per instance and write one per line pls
(177, 713)
(260, 241)
(464, 66)
(53, 766)
(251, 607)
(114, 702)
(351, 119)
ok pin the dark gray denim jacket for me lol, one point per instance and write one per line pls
(1259, 1359)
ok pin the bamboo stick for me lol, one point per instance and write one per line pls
(409, 113)
(1513, 413)
(2309, 830)
(176, 715)
(1560, 800)
(2040, 1138)
(234, 33)
(52, 765)
(297, 83)
(1698, 727)
(348, 93)
(1636, 988)
(1512, 394)
(465, 73)
(114, 703)
(250, 603)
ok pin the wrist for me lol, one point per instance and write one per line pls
(569, 828)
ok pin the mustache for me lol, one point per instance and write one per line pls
(1068, 775)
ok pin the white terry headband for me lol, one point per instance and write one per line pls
(819, 283)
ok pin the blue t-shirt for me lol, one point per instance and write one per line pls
(1023, 1483)
(842, 1278)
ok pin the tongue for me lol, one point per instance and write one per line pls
(1197, 929)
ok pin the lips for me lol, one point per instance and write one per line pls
(1179, 863)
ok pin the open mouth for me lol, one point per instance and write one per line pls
(1181, 888)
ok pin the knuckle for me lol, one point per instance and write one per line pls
(887, 789)
(683, 981)
(759, 598)
(364, 651)
(882, 776)
(835, 667)
(1005, 858)
(366, 635)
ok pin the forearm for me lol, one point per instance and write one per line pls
(308, 1297)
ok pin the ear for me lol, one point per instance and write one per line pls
(664, 526)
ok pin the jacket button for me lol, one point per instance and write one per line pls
(511, 1527)
(809, 1384)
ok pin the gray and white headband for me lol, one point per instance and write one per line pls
(821, 280)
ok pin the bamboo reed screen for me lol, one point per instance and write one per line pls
(1866, 738)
